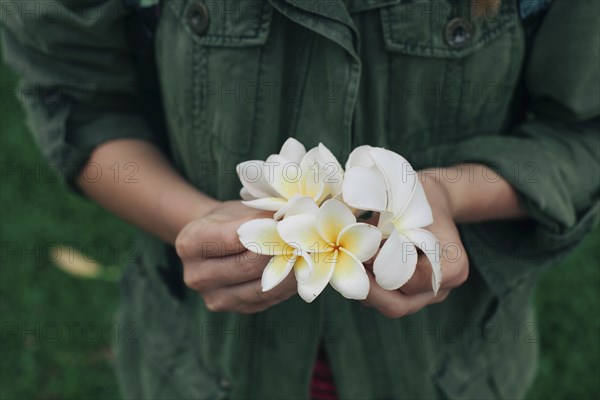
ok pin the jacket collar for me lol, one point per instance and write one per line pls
(329, 18)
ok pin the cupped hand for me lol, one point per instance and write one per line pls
(417, 292)
(215, 263)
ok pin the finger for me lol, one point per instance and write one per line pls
(225, 271)
(394, 304)
(223, 228)
(455, 265)
(289, 290)
(455, 270)
(211, 237)
(248, 297)
(251, 292)
(442, 295)
(420, 282)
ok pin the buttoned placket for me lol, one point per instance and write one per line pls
(332, 20)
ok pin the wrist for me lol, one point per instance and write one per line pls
(475, 193)
(183, 204)
(438, 190)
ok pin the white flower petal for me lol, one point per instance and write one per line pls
(349, 276)
(266, 203)
(364, 189)
(333, 173)
(245, 194)
(276, 270)
(300, 231)
(310, 287)
(360, 239)
(360, 157)
(303, 267)
(399, 175)
(430, 245)
(396, 262)
(417, 214)
(385, 223)
(315, 189)
(326, 156)
(312, 183)
(297, 205)
(254, 180)
(261, 236)
(283, 175)
(293, 150)
(332, 218)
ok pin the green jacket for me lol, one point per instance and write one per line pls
(515, 91)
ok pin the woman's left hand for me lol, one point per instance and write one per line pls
(477, 194)
(417, 292)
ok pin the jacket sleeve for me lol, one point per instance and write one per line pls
(552, 159)
(78, 83)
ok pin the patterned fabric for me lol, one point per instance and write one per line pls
(322, 386)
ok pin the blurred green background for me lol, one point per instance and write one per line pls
(57, 330)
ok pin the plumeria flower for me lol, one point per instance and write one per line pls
(337, 245)
(380, 180)
(260, 236)
(278, 182)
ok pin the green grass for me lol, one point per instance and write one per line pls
(39, 302)
(568, 305)
(56, 330)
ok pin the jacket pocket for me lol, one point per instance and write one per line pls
(220, 81)
(450, 76)
(227, 23)
(157, 356)
(501, 358)
(433, 28)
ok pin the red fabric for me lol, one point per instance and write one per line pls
(321, 385)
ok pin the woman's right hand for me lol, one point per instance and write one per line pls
(217, 265)
(203, 230)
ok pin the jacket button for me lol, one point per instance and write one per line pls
(458, 33)
(197, 17)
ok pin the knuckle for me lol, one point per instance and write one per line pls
(461, 273)
(189, 278)
(215, 304)
(195, 280)
(192, 239)
(458, 267)
(182, 245)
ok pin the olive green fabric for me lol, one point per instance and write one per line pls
(345, 73)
